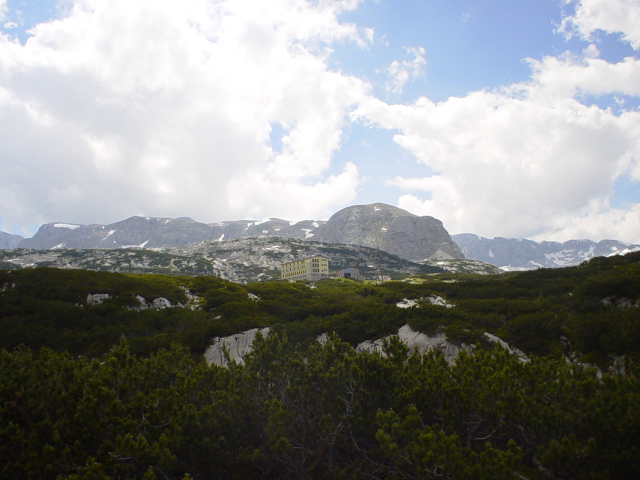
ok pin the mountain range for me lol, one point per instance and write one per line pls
(518, 254)
(378, 226)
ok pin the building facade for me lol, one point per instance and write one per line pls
(349, 272)
(312, 268)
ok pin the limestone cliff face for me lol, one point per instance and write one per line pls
(390, 229)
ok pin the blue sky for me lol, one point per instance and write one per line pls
(500, 118)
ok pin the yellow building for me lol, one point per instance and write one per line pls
(313, 268)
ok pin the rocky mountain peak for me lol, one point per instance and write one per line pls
(391, 229)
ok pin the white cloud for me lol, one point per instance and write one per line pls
(609, 224)
(526, 159)
(611, 16)
(400, 72)
(165, 108)
(3, 9)
(294, 199)
(570, 76)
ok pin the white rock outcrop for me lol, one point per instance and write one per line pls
(97, 298)
(620, 302)
(419, 342)
(193, 301)
(512, 350)
(406, 303)
(161, 303)
(439, 301)
(237, 345)
(241, 344)
(433, 300)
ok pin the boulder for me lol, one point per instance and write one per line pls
(237, 346)
(419, 342)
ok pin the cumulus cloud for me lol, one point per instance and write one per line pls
(571, 76)
(400, 72)
(611, 16)
(524, 160)
(159, 107)
(611, 224)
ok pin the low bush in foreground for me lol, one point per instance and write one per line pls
(319, 412)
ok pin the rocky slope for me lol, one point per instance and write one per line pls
(516, 254)
(464, 266)
(247, 259)
(390, 229)
(8, 241)
(149, 232)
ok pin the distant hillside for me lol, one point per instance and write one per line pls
(590, 310)
(514, 254)
(9, 241)
(249, 259)
(149, 232)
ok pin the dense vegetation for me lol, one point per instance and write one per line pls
(320, 412)
(531, 310)
(98, 391)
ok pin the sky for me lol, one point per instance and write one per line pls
(498, 117)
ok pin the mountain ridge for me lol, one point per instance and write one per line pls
(380, 226)
(9, 241)
(522, 254)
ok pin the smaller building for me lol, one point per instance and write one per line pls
(349, 272)
(312, 268)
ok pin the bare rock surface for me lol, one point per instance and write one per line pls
(9, 241)
(512, 350)
(390, 229)
(97, 298)
(241, 344)
(419, 342)
(237, 346)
